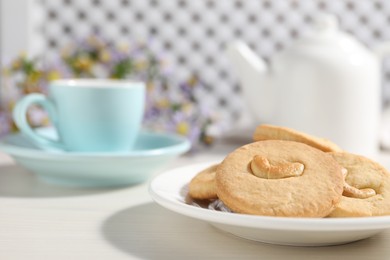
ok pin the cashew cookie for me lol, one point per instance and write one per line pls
(271, 132)
(366, 189)
(202, 186)
(280, 178)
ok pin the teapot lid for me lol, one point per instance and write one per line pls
(325, 32)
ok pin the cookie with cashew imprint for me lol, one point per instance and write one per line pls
(202, 186)
(280, 178)
(272, 132)
(366, 189)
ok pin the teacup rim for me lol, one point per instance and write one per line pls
(96, 83)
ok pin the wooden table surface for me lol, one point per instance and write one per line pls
(41, 221)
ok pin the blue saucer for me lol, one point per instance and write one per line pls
(151, 152)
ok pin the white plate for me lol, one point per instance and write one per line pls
(170, 189)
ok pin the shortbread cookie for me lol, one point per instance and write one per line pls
(271, 132)
(202, 186)
(367, 190)
(280, 178)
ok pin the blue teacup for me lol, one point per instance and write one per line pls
(90, 115)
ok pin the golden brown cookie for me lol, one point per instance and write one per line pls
(367, 190)
(202, 186)
(272, 132)
(291, 179)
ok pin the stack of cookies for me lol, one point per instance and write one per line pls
(292, 174)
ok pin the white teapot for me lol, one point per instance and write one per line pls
(326, 84)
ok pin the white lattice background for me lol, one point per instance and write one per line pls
(192, 34)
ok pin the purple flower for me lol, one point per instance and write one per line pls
(5, 123)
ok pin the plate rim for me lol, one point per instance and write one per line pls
(260, 222)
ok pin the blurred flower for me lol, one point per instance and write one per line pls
(170, 106)
(182, 128)
(5, 123)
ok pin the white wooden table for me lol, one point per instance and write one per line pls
(39, 221)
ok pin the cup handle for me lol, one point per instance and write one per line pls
(20, 118)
